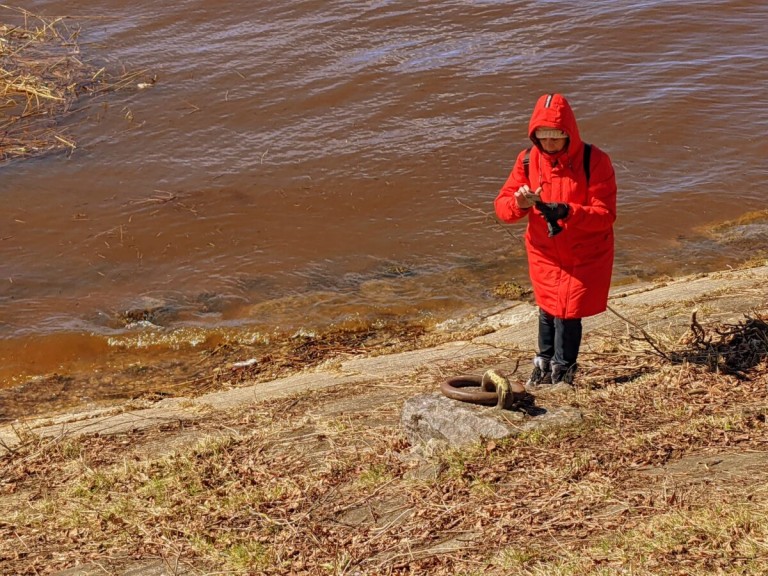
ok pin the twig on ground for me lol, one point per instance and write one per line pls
(647, 337)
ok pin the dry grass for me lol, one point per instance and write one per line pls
(43, 80)
(758, 216)
(326, 483)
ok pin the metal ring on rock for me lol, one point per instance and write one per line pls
(468, 389)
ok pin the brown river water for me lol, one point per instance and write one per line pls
(305, 164)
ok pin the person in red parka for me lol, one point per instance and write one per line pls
(569, 238)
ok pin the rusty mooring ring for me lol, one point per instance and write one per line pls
(468, 389)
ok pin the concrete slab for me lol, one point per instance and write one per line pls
(276, 389)
(158, 568)
(118, 423)
(394, 366)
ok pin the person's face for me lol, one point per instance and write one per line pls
(553, 145)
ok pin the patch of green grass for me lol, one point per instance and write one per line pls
(93, 485)
(728, 538)
(482, 488)
(456, 459)
(248, 556)
(375, 475)
(711, 538)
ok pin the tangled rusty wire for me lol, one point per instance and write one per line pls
(737, 349)
(728, 348)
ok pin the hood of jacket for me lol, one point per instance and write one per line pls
(555, 111)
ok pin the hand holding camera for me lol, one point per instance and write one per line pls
(552, 212)
(525, 198)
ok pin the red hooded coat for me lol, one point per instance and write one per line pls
(571, 271)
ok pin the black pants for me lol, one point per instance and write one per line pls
(559, 339)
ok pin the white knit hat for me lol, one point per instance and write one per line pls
(542, 133)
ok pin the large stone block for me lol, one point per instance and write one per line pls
(433, 417)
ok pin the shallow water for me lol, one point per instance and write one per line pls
(308, 163)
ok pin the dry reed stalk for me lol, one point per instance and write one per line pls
(42, 81)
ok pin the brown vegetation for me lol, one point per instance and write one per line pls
(43, 79)
(326, 483)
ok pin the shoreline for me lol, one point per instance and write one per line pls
(61, 370)
(488, 329)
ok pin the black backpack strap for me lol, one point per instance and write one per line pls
(526, 161)
(587, 158)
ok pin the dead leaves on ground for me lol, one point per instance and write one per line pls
(289, 494)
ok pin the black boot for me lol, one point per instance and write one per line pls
(541, 375)
(563, 374)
